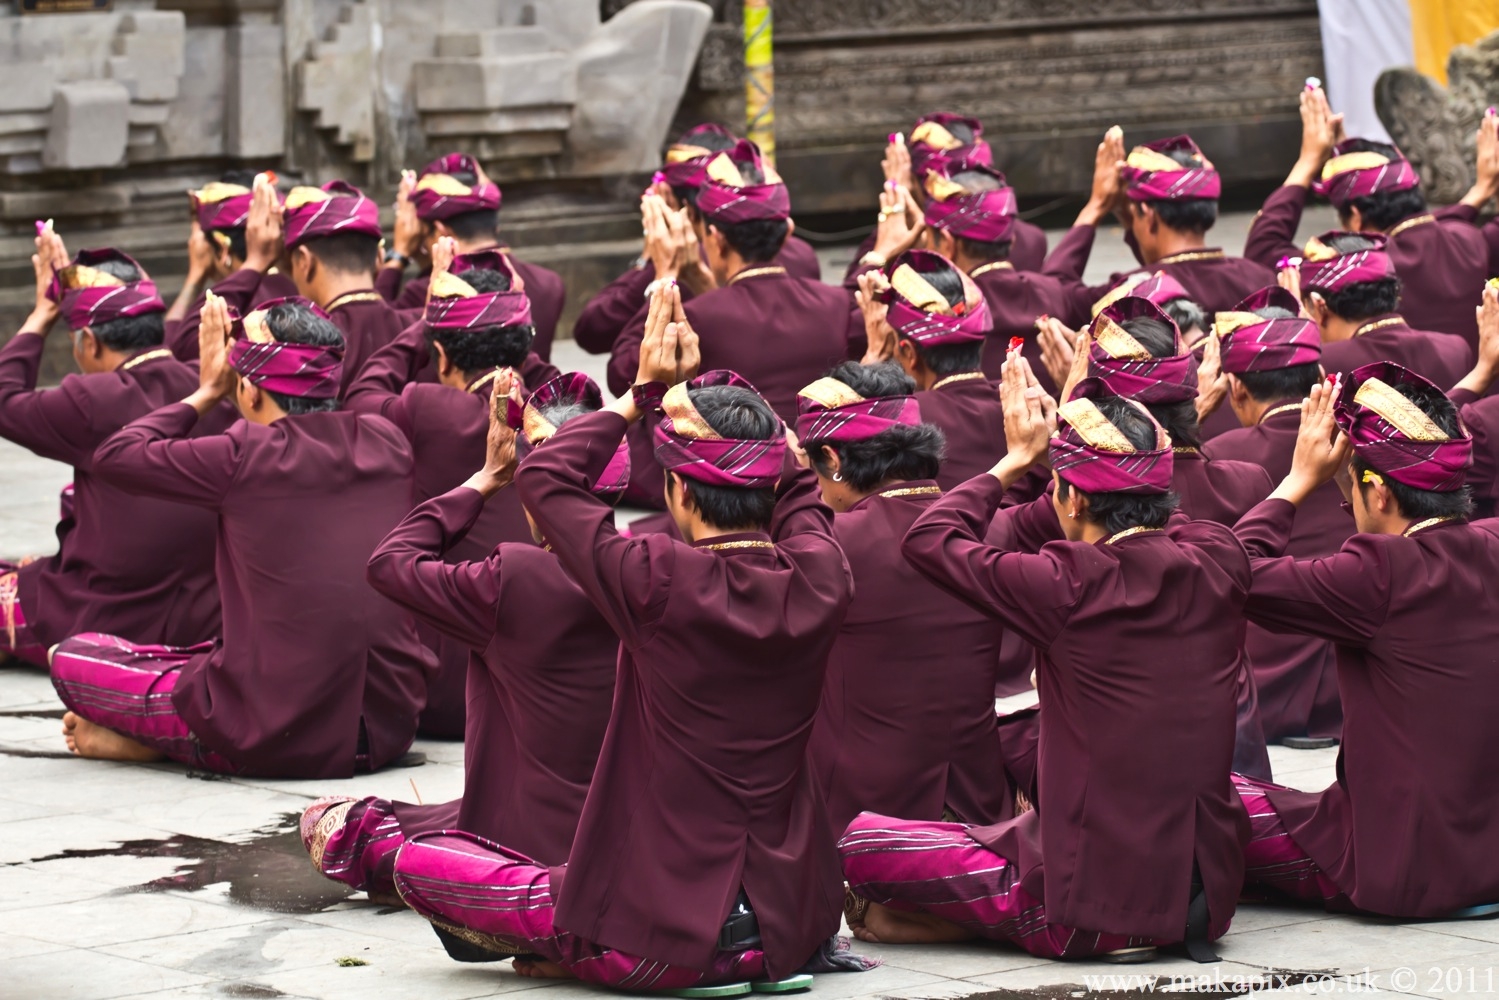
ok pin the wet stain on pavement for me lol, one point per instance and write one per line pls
(269, 872)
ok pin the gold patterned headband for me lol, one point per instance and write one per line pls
(446, 285)
(444, 184)
(1117, 342)
(216, 191)
(257, 330)
(911, 286)
(303, 195)
(1227, 322)
(1120, 290)
(1365, 159)
(1144, 158)
(830, 393)
(1399, 412)
(934, 135)
(1096, 430)
(1318, 251)
(82, 276)
(685, 420)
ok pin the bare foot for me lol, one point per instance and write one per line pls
(98, 743)
(882, 925)
(540, 968)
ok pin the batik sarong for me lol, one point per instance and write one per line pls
(1272, 858)
(501, 900)
(354, 841)
(936, 868)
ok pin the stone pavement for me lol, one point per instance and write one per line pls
(148, 881)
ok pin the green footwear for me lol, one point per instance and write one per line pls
(725, 990)
(791, 984)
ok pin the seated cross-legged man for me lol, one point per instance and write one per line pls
(906, 727)
(1408, 827)
(1270, 355)
(451, 198)
(696, 861)
(317, 675)
(1137, 837)
(541, 677)
(1166, 195)
(130, 565)
(1347, 284)
(478, 321)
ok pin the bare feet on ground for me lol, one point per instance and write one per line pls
(882, 925)
(98, 743)
(540, 968)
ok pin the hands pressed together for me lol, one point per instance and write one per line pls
(1030, 420)
(51, 256)
(671, 243)
(1322, 449)
(265, 227)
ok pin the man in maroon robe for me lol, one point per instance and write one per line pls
(1439, 255)
(541, 677)
(1348, 286)
(1271, 357)
(135, 566)
(695, 862)
(1409, 826)
(676, 184)
(1136, 839)
(944, 143)
(451, 197)
(934, 321)
(906, 726)
(216, 254)
(1480, 411)
(779, 331)
(478, 321)
(1166, 195)
(317, 676)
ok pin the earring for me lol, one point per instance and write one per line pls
(837, 477)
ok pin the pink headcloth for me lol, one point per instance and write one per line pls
(440, 195)
(934, 147)
(1324, 269)
(986, 216)
(1094, 456)
(921, 313)
(307, 371)
(830, 410)
(1354, 173)
(87, 296)
(1397, 437)
(336, 207)
(218, 205)
(689, 446)
(533, 428)
(728, 198)
(1127, 368)
(1149, 174)
(1251, 343)
(454, 304)
(1159, 288)
(686, 160)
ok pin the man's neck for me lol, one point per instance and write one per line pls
(1336, 328)
(1251, 411)
(1170, 242)
(477, 244)
(112, 360)
(336, 284)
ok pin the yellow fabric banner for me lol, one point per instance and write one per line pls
(1439, 25)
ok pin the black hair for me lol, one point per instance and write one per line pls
(484, 279)
(1121, 511)
(961, 131)
(1280, 383)
(236, 237)
(486, 347)
(122, 269)
(738, 413)
(128, 333)
(758, 240)
(469, 227)
(1417, 504)
(1187, 215)
(712, 141)
(949, 359)
(1382, 209)
(294, 323)
(900, 453)
(1186, 314)
(1179, 418)
(1366, 298)
(346, 253)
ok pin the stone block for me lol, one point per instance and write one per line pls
(552, 119)
(26, 121)
(141, 81)
(25, 86)
(102, 200)
(255, 105)
(89, 125)
(492, 42)
(499, 82)
(148, 114)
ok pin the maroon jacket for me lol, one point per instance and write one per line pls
(1441, 357)
(1440, 257)
(1027, 250)
(1217, 490)
(313, 661)
(1408, 828)
(544, 287)
(906, 727)
(137, 567)
(243, 285)
(703, 786)
(966, 407)
(780, 332)
(540, 684)
(605, 316)
(1214, 280)
(447, 429)
(1482, 419)
(1140, 653)
(1295, 675)
(1016, 299)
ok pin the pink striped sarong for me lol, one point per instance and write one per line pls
(501, 900)
(1272, 858)
(354, 841)
(127, 687)
(16, 638)
(936, 868)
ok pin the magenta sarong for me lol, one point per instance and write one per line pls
(127, 687)
(354, 841)
(936, 868)
(1272, 858)
(486, 893)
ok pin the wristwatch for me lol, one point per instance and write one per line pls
(391, 255)
(648, 395)
(873, 259)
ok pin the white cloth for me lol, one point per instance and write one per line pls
(1361, 39)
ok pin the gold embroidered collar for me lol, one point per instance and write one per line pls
(1411, 223)
(1130, 533)
(482, 381)
(1379, 324)
(1278, 410)
(1183, 450)
(140, 359)
(750, 543)
(913, 491)
(1186, 255)
(960, 377)
(1430, 522)
(755, 272)
(348, 297)
(993, 265)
